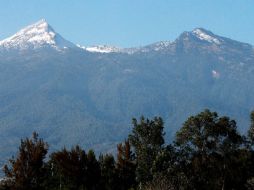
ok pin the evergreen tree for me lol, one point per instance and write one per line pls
(125, 166)
(251, 130)
(93, 171)
(108, 173)
(27, 169)
(147, 138)
(70, 167)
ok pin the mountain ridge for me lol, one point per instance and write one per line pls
(73, 96)
(41, 34)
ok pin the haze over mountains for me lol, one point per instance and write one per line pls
(88, 95)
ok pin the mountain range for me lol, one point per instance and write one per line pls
(73, 94)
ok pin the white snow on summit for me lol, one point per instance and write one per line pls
(112, 49)
(101, 49)
(204, 36)
(35, 36)
(41, 34)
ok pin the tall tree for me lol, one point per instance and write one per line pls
(147, 138)
(108, 172)
(125, 166)
(27, 169)
(168, 168)
(211, 142)
(93, 171)
(251, 129)
(71, 168)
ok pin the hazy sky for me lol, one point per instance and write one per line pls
(130, 22)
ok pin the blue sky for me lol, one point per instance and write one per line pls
(130, 22)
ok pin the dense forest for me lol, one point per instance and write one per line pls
(208, 152)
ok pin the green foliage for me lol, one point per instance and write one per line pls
(211, 144)
(147, 138)
(207, 134)
(208, 153)
(169, 167)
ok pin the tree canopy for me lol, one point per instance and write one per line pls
(208, 152)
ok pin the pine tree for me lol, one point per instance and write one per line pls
(27, 169)
(93, 171)
(108, 173)
(147, 138)
(251, 129)
(71, 168)
(125, 166)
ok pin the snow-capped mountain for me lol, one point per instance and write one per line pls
(41, 34)
(34, 36)
(198, 34)
(77, 97)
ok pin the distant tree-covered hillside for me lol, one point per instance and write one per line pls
(208, 153)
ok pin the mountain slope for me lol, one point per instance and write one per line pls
(77, 96)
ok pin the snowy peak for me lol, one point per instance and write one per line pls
(37, 35)
(205, 35)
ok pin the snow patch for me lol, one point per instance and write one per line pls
(160, 45)
(113, 49)
(215, 74)
(204, 36)
(128, 71)
(100, 48)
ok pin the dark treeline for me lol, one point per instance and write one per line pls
(208, 153)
